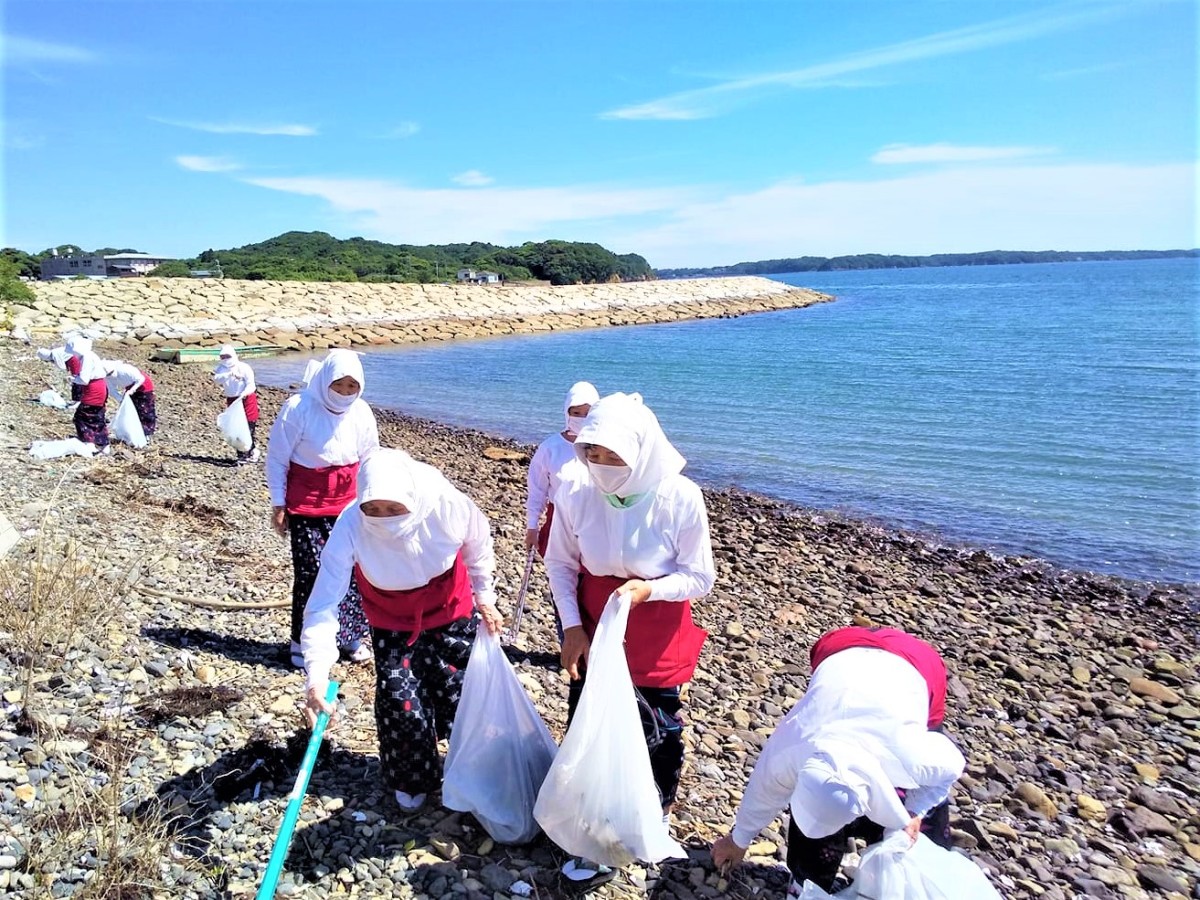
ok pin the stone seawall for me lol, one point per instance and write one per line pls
(306, 315)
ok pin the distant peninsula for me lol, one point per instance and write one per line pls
(892, 261)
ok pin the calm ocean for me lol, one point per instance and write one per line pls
(1047, 409)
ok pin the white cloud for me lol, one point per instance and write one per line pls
(22, 50)
(262, 128)
(710, 101)
(207, 163)
(404, 130)
(472, 178)
(953, 210)
(964, 209)
(900, 154)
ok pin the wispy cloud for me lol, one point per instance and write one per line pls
(403, 130)
(23, 51)
(472, 178)
(900, 154)
(713, 100)
(262, 128)
(207, 163)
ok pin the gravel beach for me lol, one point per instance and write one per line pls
(1075, 697)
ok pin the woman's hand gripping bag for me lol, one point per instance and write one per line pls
(234, 426)
(500, 749)
(126, 426)
(599, 800)
(897, 869)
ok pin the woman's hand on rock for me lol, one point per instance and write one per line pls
(493, 619)
(726, 854)
(314, 705)
(279, 520)
(574, 650)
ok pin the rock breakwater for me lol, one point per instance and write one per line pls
(301, 315)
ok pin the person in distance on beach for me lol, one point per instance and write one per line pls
(123, 379)
(634, 526)
(421, 551)
(860, 753)
(314, 451)
(90, 425)
(236, 379)
(553, 462)
(62, 358)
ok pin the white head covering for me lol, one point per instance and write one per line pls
(391, 475)
(90, 367)
(77, 345)
(581, 392)
(224, 365)
(623, 424)
(338, 364)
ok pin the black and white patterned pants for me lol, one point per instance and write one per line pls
(308, 536)
(416, 697)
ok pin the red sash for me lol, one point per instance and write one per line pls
(543, 539)
(662, 643)
(919, 654)
(95, 393)
(74, 365)
(320, 492)
(147, 385)
(250, 402)
(445, 599)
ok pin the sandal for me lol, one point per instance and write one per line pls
(586, 873)
(357, 653)
(297, 657)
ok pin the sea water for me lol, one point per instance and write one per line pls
(1044, 409)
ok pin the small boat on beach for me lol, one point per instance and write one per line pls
(210, 354)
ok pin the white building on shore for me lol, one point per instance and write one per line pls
(91, 265)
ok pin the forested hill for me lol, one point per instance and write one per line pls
(887, 261)
(316, 256)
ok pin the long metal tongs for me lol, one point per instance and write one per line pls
(519, 612)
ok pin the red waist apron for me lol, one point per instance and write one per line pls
(445, 599)
(250, 403)
(915, 651)
(662, 643)
(148, 385)
(95, 393)
(74, 365)
(320, 492)
(543, 539)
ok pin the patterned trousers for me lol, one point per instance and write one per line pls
(90, 425)
(663, 728)
(308, 536)
(416, 696)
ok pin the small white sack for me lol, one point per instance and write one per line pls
(500, 749)
(599, 800)
(66, 447)
(126, 426)
(234, 426)
(52, 399)
(897, 870)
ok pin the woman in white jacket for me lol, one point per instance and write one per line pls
(313, 454)
(421, 551)
(860, 754)
(554, 462)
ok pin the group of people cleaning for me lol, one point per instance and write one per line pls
(393, 563)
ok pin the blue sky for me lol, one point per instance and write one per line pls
(695, 133)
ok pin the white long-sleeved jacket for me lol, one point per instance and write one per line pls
(553, 462)
(311, 436)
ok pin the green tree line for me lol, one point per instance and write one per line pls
(891, 261)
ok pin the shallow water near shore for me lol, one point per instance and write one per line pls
(1050, 410)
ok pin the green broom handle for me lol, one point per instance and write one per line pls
(283, 840)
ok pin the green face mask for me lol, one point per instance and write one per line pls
(623, 502)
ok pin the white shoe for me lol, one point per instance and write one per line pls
(580, 869)
(254, 455)
(410, 803)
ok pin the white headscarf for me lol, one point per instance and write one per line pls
(391, 475)
(338, 364)
(90, 367)
(581, 393)
(626, 426)
(224, 365)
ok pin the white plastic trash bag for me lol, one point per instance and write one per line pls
(126, 426)
(234, 426)
(52, 399)
(67, 447)
(896, 869)
(500, 749)
(599, 800)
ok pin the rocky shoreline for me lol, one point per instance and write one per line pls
(299, 315)
(1074, 696)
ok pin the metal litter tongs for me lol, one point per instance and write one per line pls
(515, 628)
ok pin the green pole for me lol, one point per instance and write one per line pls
(295, 799)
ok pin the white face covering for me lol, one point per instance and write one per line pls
(609, 479)
(394, 527)
(338, 364)
(339, 403)
(574, 423)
